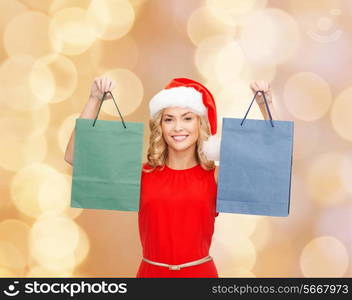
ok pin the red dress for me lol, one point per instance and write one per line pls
(176, 220)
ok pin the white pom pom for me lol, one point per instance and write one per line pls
(211, 148)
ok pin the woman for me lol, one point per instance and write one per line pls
(179, 181)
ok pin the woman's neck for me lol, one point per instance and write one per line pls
(181, 160)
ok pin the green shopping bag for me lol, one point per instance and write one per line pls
(107, 164)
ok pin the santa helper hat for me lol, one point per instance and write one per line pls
(187, 93)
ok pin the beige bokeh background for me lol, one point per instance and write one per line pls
(50, 53)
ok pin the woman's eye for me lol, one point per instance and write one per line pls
(168, 119)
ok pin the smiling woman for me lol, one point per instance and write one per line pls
(177, 206)
(179, 183)
(178, 189)
(180, 127)
(183, 108)
(178, 133)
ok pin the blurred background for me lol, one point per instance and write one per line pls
(50, 53)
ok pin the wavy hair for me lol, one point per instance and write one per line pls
(158, 148)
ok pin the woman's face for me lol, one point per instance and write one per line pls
(180, 127)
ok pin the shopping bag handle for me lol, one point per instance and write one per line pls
(266, 104)
(102, 100)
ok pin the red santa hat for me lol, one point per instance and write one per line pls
(184, 92)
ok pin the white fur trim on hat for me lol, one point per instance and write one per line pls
(180, 96)
(211, 148)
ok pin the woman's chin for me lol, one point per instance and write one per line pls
(180, 146)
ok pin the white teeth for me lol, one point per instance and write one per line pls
(180, 137)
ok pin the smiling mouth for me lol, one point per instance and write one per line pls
(179, 138)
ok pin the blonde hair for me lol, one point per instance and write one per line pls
(158, 148)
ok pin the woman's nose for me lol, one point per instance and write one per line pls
(178, 125)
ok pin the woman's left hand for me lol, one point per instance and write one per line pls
(264, 86)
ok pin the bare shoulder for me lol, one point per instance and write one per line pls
(216, 173)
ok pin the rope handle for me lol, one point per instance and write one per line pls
(266, 104)
(104, 95)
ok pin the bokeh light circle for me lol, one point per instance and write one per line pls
(8, 10)
(83, 247)
(58, 202)
(262, 234)
(53, 237)
(324, 256)
(16, 91)
(232, 246)
(207, 52)
(70, 32)
(269, 35)
(232, 253)
(336, 221)
(110, 19)
(324, 181)
(25, 187)
(53, 78)
(128, 93)
(20, 145)
(307, 96)
(27, 33)
(239, 225)
(229, 62)
(203, 24)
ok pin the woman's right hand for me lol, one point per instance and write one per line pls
(100, 86)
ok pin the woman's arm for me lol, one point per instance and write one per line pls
(89, 112)
(264, 111)
(99, 86)
(264, 86)
(216, 172)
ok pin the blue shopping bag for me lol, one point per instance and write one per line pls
(255, 166)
